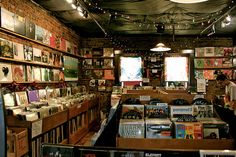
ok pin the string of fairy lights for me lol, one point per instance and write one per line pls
(170, 20)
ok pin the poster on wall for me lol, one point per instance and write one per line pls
(70, 68)
(176, 72)
(131, 69)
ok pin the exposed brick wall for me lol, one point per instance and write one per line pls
(145, 43)
(41, 17)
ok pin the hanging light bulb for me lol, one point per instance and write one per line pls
(69, 1)
(188, 1)
(73, 6)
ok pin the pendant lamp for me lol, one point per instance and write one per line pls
(160, 47)
(188, 1)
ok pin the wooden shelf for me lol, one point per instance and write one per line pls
(188, 144)
(29, 63)
(26, 82)
(214, 57)
(54, 120)
(215, 68)
(37, 42)
(112, 68)
(77, 109)
(102, 57)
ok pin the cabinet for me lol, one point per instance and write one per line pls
(153, 69)
(98, 68)
(209, 61)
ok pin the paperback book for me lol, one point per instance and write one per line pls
(18, 72)
(132, 111)
(6, 48)
(131, 128)
(18, 51)
(5, 72)
(158, 128)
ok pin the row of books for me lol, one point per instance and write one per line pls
(98, 63)
(101, 84)
(54, 136)
(211, 74)
(95, 52)
(77, 122)
(214, 51)
(214, 63)
(210, 128)
(18, 51)
(99, 74)
(163, 110)
(21, 73)
(25, 27)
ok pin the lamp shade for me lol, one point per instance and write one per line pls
(160, 47)
(188, 1)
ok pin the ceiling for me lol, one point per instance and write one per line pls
(145, 17)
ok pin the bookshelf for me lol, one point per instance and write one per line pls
(209, 61)
(65, 127)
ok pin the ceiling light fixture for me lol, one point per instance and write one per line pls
(160, 47)
(188, 1)
(69, 1)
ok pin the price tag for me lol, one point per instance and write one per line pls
(144, 98)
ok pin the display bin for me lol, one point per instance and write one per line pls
(177, 144)
(17, 142)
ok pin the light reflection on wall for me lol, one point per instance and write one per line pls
(176, 69)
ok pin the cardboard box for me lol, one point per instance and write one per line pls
(17, 140)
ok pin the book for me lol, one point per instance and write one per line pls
(198, 74)
(18, 72)
(5, 72)
(19, 24)
(29, 29)
(199, 52)
(45, 56)
(176, 111)
(198, 63)
(209, 51)
(28, 52)
(33, 96)
(18, 51)
(209, 74)
(209, 63)
(37, 73)
(7, 19)
(218, 62)
(131, 128)
(70, 68)
(39, 33)
(108, 52)
(21, 98)
(219, 128)
(219, 51)
(108, 75)
(68, 47)
(158, 128)
(108, 63)
(37, 55)
(42, 94)
(203, 111)
(57, 59)
(29, 73)
(56, 74)
(52, 39)
(132, 111)
(46, 36)
(188, 130)
(9, 99)
(159, 110)
(6, 48)
(44, 74)
(50, 74)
